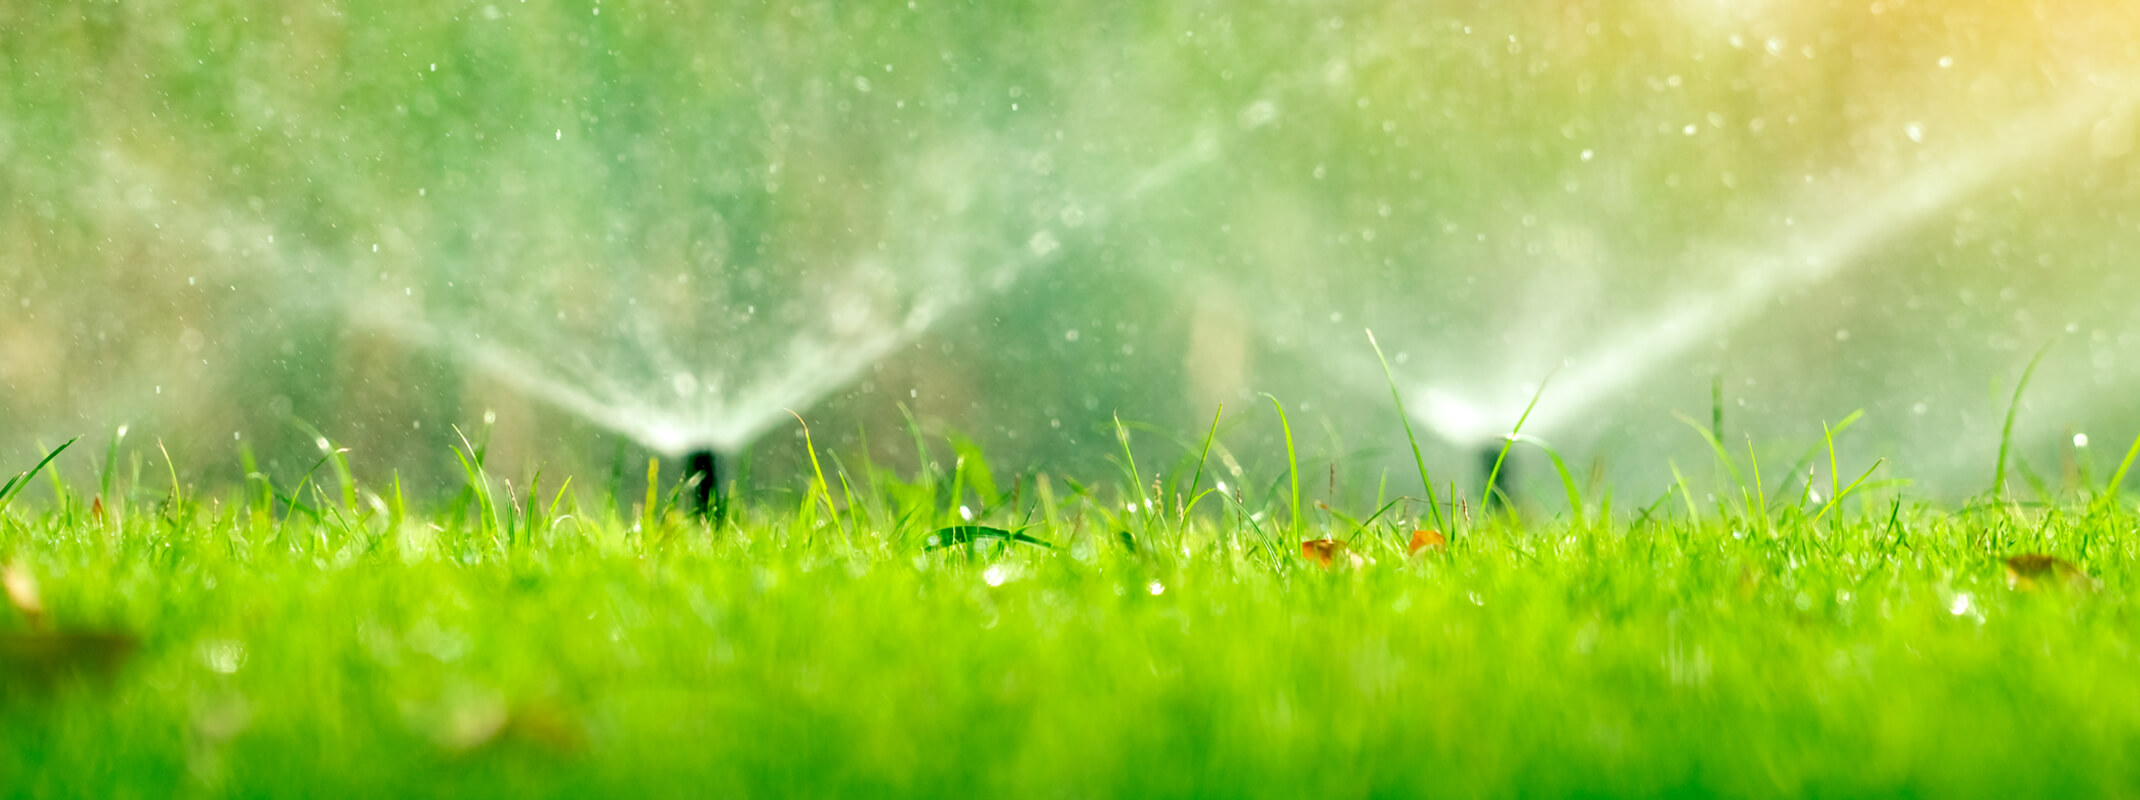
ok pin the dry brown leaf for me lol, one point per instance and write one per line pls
(2029, 572)
(1330, 552)
(475, 721)
(43, 658)
(1429, 540)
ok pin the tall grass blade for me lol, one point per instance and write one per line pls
(15, 485)
(1201, 458)
(2118, 479)
(1493, 476)
(1434, 506)
(1292, 463)
(1567, 479)
(823, 488)
(2013, 410)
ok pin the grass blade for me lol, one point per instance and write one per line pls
(15, 485)
(2118, 479)
(1493, 476)
(1198, 479)
(1292, 463)
(823, 488)
(2013, 409)
(1433, 504)
(1567, 479)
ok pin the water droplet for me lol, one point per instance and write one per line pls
(224, 656)
(1960, 605)
(685, 384)
(1043, 244)
(2080, 440)
(966, 513)
(1915, 131)
(995, 575)
(1156, 588)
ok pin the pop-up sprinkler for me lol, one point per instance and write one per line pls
(702, 478)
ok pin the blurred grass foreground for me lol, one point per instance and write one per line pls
(327, 641)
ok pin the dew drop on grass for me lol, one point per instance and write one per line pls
(1960, 605)
(966, 513)
(224, 656)
(995, 575)
(1156, 588)
(2080, 440)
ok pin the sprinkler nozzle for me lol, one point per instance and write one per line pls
(702, 478)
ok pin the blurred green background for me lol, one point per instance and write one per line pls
(626, 228)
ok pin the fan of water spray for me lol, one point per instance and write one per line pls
(696, 351)
(1829, 236)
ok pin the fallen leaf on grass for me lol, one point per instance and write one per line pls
(40, 659)
(475, 721)
(2029, 572)
(1429, 540)
(1327, 552)
(22, 593)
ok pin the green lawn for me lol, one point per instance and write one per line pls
(332, 648)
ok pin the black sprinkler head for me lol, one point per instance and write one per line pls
(702, 478)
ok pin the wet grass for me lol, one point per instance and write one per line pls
(328, 641)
